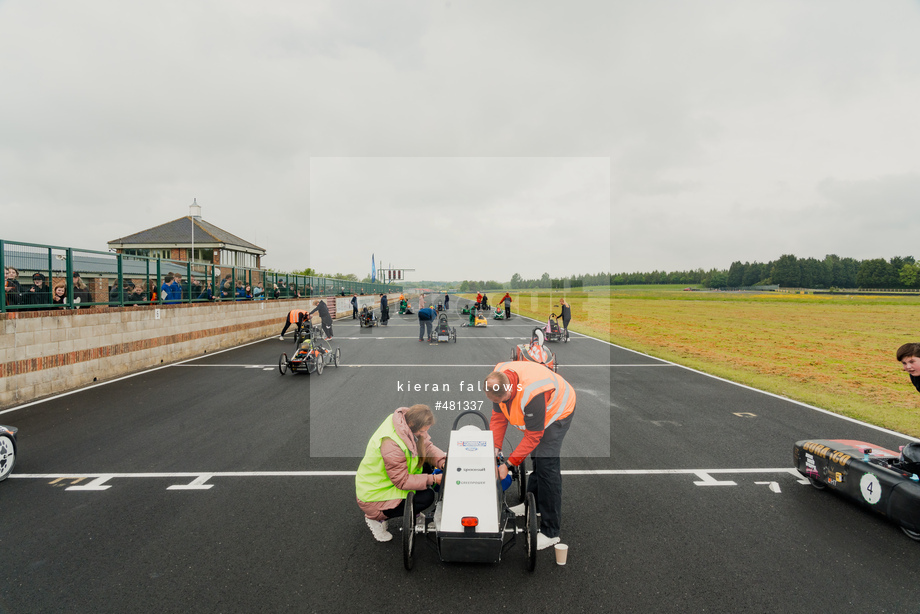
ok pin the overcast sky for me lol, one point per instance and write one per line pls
(467, 139)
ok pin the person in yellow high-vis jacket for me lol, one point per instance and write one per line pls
(398, 459)
(540, 403)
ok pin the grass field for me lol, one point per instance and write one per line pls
(833, 352)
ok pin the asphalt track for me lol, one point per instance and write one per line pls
(218, 485)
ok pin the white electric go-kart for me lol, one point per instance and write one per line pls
(470, 519)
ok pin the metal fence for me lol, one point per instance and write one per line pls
(49, 277)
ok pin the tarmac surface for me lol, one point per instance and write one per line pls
(219, 485)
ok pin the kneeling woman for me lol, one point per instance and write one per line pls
(397, 456)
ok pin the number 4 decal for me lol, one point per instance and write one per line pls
(871, 488)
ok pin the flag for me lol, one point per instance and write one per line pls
(373, 270)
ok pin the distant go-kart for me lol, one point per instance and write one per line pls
(878, 479)
(312, 355)
(7, 450)
(535, 351)
(366, 318)
(443, 331)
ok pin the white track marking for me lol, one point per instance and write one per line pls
(774, 486)
(486, 366)
(199, 480)
(124, 377)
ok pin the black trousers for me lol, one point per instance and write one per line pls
(546, 480)
(422, 501)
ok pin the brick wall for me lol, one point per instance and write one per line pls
(49, 352)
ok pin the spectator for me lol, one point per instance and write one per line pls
(80, 291)
(11, 286)
(276, 291)
(485, 302)
(446, 302)
(226, 287)
(38, 293)
(153, 292)
(207, 293)
(165, 289)
(59, 295)
(258, 292)
(243, 292)
(384, 309)
(354, 306)
(425, 317)
(194, 287)
(478, 300)
(137, 295)
(176, 288)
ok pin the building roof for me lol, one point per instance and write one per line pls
(178, 233)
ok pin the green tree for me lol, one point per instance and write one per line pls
(545, 281)
(874, 273)
(787, 271)
(909, 275)
(753, 274)
(516, 281)
(736, 274)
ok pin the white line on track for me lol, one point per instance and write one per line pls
(118, 379)
(419, 365)
(201, 476)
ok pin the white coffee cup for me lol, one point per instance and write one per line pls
(562, 552)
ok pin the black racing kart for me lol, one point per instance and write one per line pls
(881, 480)
(7, 450)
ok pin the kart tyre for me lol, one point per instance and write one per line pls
(409, 532)
(283, 363)
(522, 481)
(817, 483)
(337, 356)
(310, 363)
(7, 456)
(530, 530)
(914, 535)
(320, 362)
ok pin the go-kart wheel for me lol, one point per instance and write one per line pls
(337, 356)
(320, 362)
(523, 480)
(530, 530)
(283, 364)
(817, 483)
(409, 532)
(309, 364)
(7, 457)
(914, 535)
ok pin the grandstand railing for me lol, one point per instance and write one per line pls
(110, 279)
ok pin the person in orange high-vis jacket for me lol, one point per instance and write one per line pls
(540, 403)
(295, 317)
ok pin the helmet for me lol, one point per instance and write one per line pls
(910, 458)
